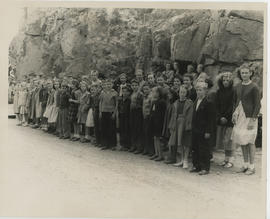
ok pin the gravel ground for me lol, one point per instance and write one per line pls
(42, 175)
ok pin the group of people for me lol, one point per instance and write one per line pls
(149, 114)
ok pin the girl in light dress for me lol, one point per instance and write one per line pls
(245, 117)
(15, 102)
(22, 103)
(54, 99)
(49, 104)
(180, 128)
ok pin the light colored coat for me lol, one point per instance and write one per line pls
(180, 123)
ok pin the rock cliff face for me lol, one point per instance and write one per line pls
(121, 40)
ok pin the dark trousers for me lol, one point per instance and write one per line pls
(201, 151)
(172, 153)
(124, 130)
(97, 127)
(108, 130)
(148, 141)
(136, 128)
(64, 126)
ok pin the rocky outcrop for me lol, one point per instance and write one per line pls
(73, 41)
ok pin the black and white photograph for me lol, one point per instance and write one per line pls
(134, 110)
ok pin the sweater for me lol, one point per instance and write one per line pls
(108, 101)
(224, 105)
(250, 97)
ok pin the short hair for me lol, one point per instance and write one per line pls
(134, 81)
(190, 66)
(160, 76)
(184, 87)
(146, 84)
(127, 87)
(200, 65)
(244, 66)
(139, 70)
(201, 85)
(187, 75)
(122, 75)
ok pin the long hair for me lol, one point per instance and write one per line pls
(220, 79)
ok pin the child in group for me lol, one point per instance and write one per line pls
(176, 69)
(201, 74)
(176, 84)
(157, 114)
(245, 117)
(148, 143)
(38, 107)
(123, 108)
(171, 98)
(64, 126)
(22, 103)
(49, 105)
(224, 110)
(107, 113)
(136, 118)
(151, 80)
(15, 102)
(187, 81)
(123, 83)
(139, 78)
(96, 98)
(180, 128)
(52, 118)
(73, 110)
(202, 131)
(161, 83)
(94, 78)
(32, 103)
(89, 124)
(190, 70)
(43, 98)
(83, 110)
(168, 74)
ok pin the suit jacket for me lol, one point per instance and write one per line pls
(203, 118)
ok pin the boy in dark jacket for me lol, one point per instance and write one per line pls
(202, 131)
(64, 97)
(123, 109)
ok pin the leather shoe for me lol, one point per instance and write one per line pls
(203, 172)
(194, 170)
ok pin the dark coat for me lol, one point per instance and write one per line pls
(157, 117)
(224, 105)
(203, 120)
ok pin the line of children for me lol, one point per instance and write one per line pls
(149, 115)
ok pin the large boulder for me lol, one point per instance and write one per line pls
(187, 44)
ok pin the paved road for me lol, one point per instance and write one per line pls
(44, 176)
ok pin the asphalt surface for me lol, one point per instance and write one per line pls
(42, 175)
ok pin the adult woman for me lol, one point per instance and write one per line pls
(245, 117)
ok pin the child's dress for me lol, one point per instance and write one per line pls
(15, 102)
(83, 108)
(49, 105)
(240, 134)
(73, 107)
(38, 105)
(90, 118)
(55, 108)
(22, 102)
